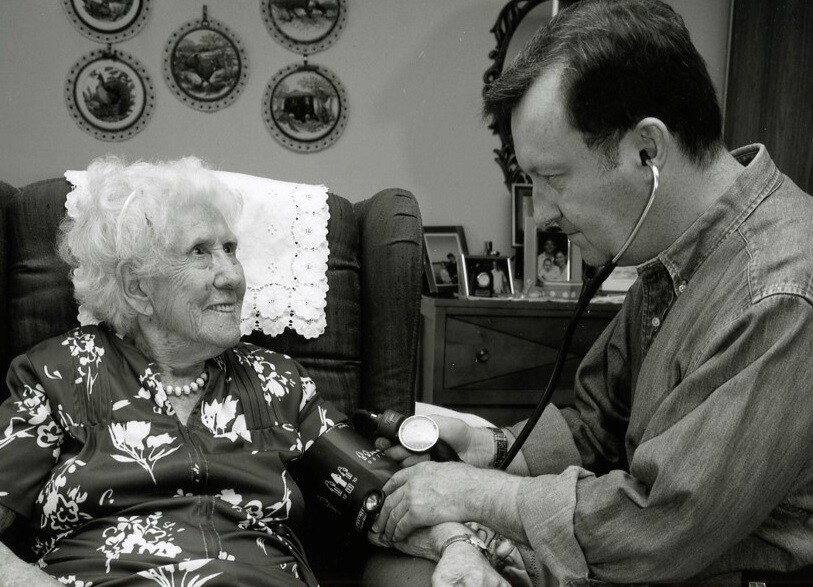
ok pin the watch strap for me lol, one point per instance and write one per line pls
(470, 538)
(500, 446)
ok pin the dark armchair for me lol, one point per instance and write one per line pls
(367, 357)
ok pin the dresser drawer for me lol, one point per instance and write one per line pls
(495, 358)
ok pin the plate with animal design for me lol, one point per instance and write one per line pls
(304, 26)
(305, 107)
(107, 21)
(205, 64)
(110, 95)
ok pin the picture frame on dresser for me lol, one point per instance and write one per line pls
(545, 274)
(444, 248)
(487, 276)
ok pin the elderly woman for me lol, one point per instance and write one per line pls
(153, 447)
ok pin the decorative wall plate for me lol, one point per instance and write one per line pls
(304, 26)
(305, 107)
(108, 21)
(205, 64)
(110, 95)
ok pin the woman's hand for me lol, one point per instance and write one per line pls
(474, 445)
(463, 565)
(423, 542)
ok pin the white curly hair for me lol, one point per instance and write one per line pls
(124, 213)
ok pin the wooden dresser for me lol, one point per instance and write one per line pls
(492, 357)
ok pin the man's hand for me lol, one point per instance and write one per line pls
(429, 493)
(474, 445)
(463, 565)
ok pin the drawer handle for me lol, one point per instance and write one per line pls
(482, 355)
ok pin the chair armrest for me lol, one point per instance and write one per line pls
(391, 258)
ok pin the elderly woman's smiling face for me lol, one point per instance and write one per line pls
(197, 300)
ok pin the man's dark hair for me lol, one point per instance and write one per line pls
(622, 61)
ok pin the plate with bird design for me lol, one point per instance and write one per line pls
(110, 95)
(205, 64)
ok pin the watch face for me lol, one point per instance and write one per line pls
(418, 433)
(483, 279)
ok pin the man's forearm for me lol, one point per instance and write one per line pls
(494, 504)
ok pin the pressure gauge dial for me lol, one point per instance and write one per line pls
(418, 433)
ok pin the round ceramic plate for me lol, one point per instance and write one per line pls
(205, 65)
(304, 26)
(108, 21)
(305, 107)
(110, 95)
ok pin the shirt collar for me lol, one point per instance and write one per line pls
(758, 179)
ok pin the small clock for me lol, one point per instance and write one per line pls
(483, 281)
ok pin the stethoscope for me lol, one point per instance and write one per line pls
(589, 289)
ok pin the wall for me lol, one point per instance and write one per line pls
(413, 72)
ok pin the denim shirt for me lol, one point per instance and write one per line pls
(688, 450)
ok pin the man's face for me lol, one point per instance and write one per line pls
(572, 186)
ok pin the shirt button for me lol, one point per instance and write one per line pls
(656, 322)
(682, 287)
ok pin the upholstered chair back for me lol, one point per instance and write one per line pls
(366, 358)
(367, 355)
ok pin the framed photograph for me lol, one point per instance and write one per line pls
(205, 64)
(521, 206)
(305, 107)
(110, 95)
(552, 256)
(445, 247)
(107, 22)
(487, 276)
(553, 265)
(304, 26)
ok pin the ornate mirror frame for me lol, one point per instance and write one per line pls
(507, 22)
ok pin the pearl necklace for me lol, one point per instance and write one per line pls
(179, 390)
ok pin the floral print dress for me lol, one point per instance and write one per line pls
(119, 492)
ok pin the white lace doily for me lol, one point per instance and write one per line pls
(283, 249)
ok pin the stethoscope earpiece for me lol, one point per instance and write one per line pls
(655, 175)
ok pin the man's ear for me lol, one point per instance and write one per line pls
(133, 289)
(651, 141)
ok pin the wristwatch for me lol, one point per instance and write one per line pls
(471, 539)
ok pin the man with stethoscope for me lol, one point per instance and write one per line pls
(687, 453)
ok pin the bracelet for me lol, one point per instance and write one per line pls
(471, 539)
(500, 446)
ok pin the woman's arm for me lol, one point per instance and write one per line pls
(15, 572)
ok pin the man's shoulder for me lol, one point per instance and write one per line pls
(778, 237)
